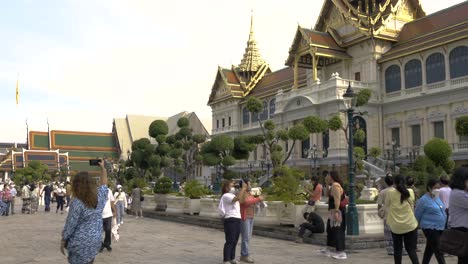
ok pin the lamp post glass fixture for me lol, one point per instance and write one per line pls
(413, 154)
(352, 225)
(313, 155)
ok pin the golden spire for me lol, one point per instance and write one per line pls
(252, 59)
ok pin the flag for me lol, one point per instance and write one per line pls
(17, 92)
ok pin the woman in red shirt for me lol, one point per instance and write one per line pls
(247, 208)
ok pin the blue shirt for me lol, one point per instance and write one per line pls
(430, 213)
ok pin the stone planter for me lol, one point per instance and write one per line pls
(149, 203)
(291, 214)
(161, 202)
(209, 207)
(369, 194)
(269, 215)
(369, 221)
(192, 206)
(175, 204)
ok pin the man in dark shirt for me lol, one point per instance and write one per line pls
(47, 191)
(314, 224)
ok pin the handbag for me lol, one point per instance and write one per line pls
(454, 242)
(142, 198)
(344, 201)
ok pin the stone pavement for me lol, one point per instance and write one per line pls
(35, 239)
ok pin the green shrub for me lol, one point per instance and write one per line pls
(194, 189)
(438, 150)
(286, 186)
(163, 185)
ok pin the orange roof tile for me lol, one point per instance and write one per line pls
(273, 82)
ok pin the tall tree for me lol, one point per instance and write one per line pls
(35, 171)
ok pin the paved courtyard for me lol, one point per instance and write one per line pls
(35, 239)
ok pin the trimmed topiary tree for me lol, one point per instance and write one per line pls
(439, 151)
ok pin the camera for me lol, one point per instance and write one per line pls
(94, 162)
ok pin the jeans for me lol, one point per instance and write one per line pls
(411, 240)
(232, 228)
(120, 211)
(107, 226)
(432, 246)
(7, 209)
(246, 232)
(336, 235)
(47, 203)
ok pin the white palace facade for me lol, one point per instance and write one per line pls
(415, 64)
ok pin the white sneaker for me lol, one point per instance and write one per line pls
(235, 261)
(340, 255)
(121, 223)
(326, 252)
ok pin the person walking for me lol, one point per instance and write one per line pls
(315, 194)
(136, 201)
(60, 193)
(247, 210)
(6, 198)
(399, 204)
(81, 235)
(444, 194)
(107, 215)
(229, 210)
(34, 198)
(47, 193)
(430, 213)
(382, 213)
(26, 196)
(40, 197)
(13, 197)
(336, 223)
(120, 204)
(458, 218)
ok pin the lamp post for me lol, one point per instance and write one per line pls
(392, 152)
(312, 154)
(352, 227)
(413, 154)
(250, 169)
(217, 183)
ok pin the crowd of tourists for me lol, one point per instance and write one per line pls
(441, 213)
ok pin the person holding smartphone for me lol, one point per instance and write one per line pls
(81, 235)
(229, 209)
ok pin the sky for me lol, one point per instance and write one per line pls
(81, 63)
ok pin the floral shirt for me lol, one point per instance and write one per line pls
(83, 229)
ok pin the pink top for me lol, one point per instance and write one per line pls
(317, 193)
(247, 208)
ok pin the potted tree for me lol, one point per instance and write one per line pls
(161, 189)
(194, 190)
(287, 188)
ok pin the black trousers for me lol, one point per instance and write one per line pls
(432, 246)
(107, 226)
(336, 235)
(312, 228)
(411, 240)
(60, 202)
(232, 227)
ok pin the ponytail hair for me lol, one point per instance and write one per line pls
(399, 181)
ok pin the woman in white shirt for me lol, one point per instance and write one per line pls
(60, 195)
(120, 204)
(229, 209)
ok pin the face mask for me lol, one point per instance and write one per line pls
(120, 189)
(248, 189)
(233, 190)
(435, 192)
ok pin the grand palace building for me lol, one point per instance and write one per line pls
(416, 66)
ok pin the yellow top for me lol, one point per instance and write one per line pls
(400, 216)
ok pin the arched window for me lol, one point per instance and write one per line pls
(245, 116)
(413, 74)
(272, 107)
(458, 62)
(435, 68)
(264, 114)
(392, 79)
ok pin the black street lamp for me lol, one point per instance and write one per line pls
(250, 168)
(313, 155)
(352, 227)
(392, 152)
(413, 154)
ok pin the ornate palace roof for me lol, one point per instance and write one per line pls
(252, 60)
(442, 27)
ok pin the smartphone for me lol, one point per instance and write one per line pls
(94, 162)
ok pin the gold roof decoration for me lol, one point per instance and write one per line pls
(252, 60)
